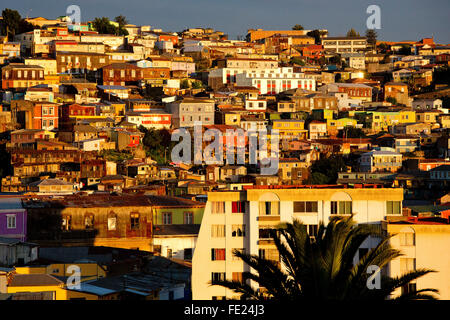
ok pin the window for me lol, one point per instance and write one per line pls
(241, 250)
(238, 230)
(410, 287)
(89, 221)
(238, 207)
(341, 207)
(305, 206)
(188, 254)
(312, 229)
(217, 276)
(134, 220)
(167, 217)
(217, 231)
(407, 239)
(407, 265)
(66, 223)
(269, 254)
(266, 233)
(188, 218)
(393, 207)
(112, 223)
(11, 221)
(267, 208)
(217, 254)
(238, 276)
(218, 207)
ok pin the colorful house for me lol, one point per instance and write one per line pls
(13, 219)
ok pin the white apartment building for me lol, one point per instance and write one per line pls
(241, 220)
(428, 104)
(344, 44)
(275, 81)
(229, 68)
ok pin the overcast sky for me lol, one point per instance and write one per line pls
(400, 19)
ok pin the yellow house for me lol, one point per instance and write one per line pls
(424, 244)
(333, 125)
(444, 120)
(232, 119)
(290, 129)
(87, 270)
(382, 120)
(430, 116)
(56, 288)
(52, 79)
(49, 65)
(50, 279)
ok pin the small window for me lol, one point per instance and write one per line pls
(89, 221)
(238, 207)
(407, 239)
(167, 217)
(188, 218)
(217, 231)
(218, 207)
(341, 207)
(134, 220)
(393, 207)
(217, 276)
(112, 223)
(238, 230)
(66, 223)
(217, 254)
(11, 221)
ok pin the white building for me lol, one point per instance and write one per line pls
(344, 44)
(275, 81)
(428, 104)
(241, 220)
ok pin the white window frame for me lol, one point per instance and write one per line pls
(11, 221)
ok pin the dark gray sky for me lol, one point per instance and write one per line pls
(400, 19)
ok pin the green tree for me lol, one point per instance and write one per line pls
(296, 60)
(184, 84)
(392, 100)
(158, 144)
(329, 167)
(121, 20)
(298, 27)
(318, 178)
(352, 33)
(371, 36)
(12, 24)
(197, 85)
(441, 75)
(104, 26)
(351, 132)
(405, 50)
(323, 268)
(317, 35)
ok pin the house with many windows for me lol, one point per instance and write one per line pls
(242, 220)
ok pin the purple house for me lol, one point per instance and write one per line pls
(13, 219)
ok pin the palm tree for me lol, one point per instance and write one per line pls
(324, 268)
